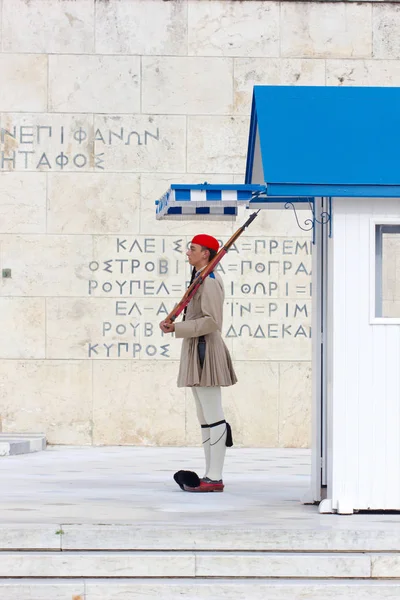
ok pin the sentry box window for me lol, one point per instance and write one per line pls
(386, 271)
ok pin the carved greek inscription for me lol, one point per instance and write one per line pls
(26, 147)
(267, 285)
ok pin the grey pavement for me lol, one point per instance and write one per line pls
(130, 485)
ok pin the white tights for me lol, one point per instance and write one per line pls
(209, 410)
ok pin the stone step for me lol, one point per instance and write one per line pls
(131, 564)
(135, 537)
(131, 537)
(21, 443)
(200, 589)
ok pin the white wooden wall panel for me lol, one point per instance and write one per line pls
(365, 361)
(379, 406)
(392, 446)
(365, 391)
(339, 450)
(353, 256)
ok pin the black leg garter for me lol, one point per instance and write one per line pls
(228, 430)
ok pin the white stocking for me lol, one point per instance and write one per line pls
(209, 399)
(205, 431)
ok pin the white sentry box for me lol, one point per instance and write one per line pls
(356, 357)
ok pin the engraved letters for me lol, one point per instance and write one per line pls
(267, 284)
(40, 147)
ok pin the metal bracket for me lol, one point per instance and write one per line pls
(324, 218)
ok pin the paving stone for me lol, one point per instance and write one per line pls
(243, 590)
(119, 486)
(21, 443)
(41, 536)
(93, 564)
(29, 589)
(247, 537)
(284, 564)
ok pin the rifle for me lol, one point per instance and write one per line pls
(192, 289)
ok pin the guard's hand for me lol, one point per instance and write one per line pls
(167, 327)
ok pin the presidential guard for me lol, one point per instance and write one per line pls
(205, 365)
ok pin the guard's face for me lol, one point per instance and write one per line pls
(196, 255)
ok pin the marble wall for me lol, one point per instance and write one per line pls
(103, 104)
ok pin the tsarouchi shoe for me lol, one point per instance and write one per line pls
(206, 485)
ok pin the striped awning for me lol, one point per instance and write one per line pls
(215, 202)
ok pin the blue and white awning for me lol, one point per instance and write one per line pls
(305, 142)
(215, 202)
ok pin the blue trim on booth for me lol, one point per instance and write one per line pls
(217, 186)
(280, 200)
(338, 191)
(251, 142)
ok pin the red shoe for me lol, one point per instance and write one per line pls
(206, 485)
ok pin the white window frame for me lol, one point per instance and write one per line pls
(374, 221)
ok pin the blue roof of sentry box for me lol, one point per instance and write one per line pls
(325, 141)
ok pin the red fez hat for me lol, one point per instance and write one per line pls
(208, 241)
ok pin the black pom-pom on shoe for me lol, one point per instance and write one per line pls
(188, 478)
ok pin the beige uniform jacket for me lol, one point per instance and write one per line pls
(204, 317)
